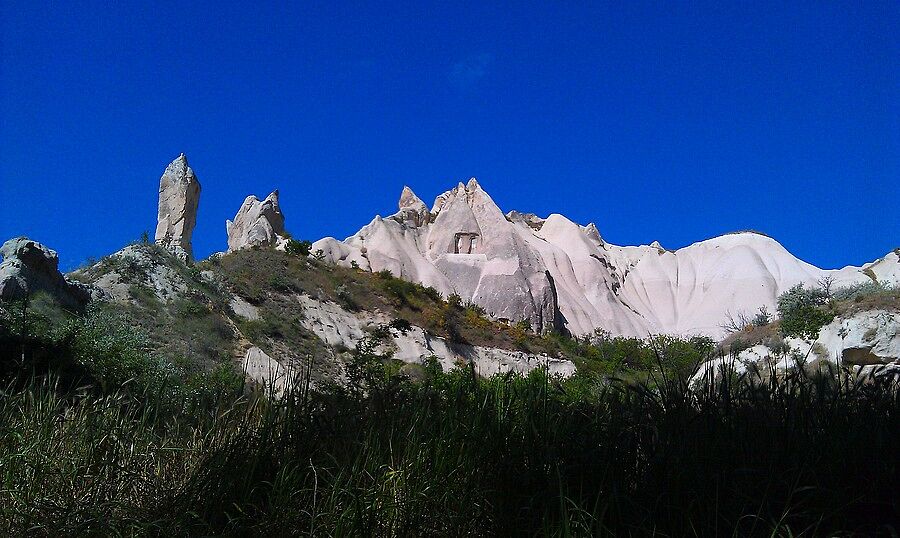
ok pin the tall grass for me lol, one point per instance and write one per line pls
(456, 455)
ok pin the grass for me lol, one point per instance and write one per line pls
(97, 438)
(101, 436)
(456, 455)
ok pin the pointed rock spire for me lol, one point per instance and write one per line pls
(412, 209)
(257, 223)
(408, 199)
(179, 197)
(592, 232)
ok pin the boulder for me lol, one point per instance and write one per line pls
(179, 196)
(276, 378)
(29, 267)
(863, 338)
(867, 341)
(257, 223)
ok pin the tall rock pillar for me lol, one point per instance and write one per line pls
(179, 196)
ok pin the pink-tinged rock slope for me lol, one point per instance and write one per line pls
(555, 273)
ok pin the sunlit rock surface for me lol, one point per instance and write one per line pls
(555, 273)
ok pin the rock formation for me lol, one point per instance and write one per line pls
(338, 327)
(179, 196)
(257, 223)
(465, 245)
(29, 267)
(553, 272)
(867, 342)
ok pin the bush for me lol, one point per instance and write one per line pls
(857, 292)
(762, 317)
(741, 322)
(342, 292)
(475, 308)
(432, 294)
(803, 311)
(298, 248)
(115, 353)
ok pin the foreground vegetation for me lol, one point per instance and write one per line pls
(96, 437)
(803, 311)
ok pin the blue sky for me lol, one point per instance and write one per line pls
(658, 121)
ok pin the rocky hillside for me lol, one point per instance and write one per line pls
(276, 313)
(460, 283)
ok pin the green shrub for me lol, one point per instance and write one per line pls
(803, 311)
(432, 294)
(857, 292)
(342, 292)
(298, 248)
(762, 317)
(279, 282)
(115, 353)
(475, 308)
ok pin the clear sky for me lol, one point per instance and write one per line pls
(669, 121)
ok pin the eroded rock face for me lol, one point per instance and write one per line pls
(412, 208)
(29, 267)
(464, 245)
(179, 197)
(257, 223)
(553, 272)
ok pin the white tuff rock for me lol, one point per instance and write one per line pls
(859, 340)
(179, 196)
(275, 377)
(465, 245)
(553, 272)
(257, 223)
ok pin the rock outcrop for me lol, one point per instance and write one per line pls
(555, 273)
(275, 377)
(867, 341)
(179, 196)
(29, 267)
(464, 246)
(338, 327)
(257, 223)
